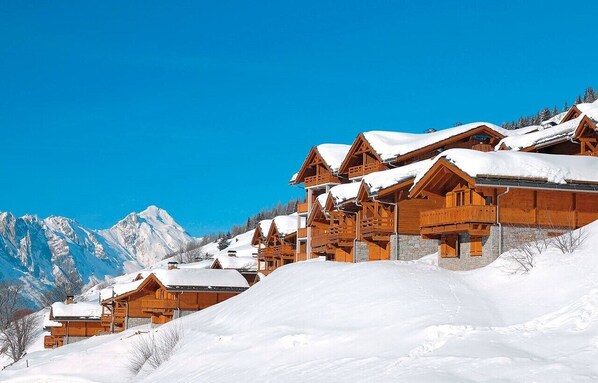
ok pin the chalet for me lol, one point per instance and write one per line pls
(280, 245)
(318, 174)
(488, 197)
(246, 266)
(168, 294)
(71, 322)
(380, 150)
(318, 223)
(574, 136)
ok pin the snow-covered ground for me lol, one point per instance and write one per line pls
(371, 322)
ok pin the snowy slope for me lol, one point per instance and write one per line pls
(38, 253)
(372, 322)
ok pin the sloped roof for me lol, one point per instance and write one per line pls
(200, 278)
(79, 310)
(387, 178)
(286, 224)
(551, 168)
(389, 145)
(343, 193)
(237, 263)
(555, 134)
(333, 154)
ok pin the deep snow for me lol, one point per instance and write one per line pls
(374, 322)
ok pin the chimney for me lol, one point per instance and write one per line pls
(232, 253)
(70, 299)
(173, 265)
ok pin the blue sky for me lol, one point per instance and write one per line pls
(207, 108)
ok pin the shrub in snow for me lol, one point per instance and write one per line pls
(152, 349)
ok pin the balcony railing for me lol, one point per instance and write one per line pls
(320, 179)
(51, 341)
(157, 304)
(280, 251)
(342, 235)
(362, 170)
(458, 215)
(377, 227)
(302, 208)
(320, 241)
(302, 232)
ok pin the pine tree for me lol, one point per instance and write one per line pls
(566, 106)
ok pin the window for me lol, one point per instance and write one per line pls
(460, 198)
(488, 201)
(475, 249)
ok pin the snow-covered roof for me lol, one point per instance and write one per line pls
(387, 178)
(238, 263)
(121, 288)
(82, 310)
(525, 130)
(287, 224)
(389, 145)
(333, 154)
(49, 322)
(344, 192)
(556, 119)
(551, 168)
(590, 109)
(200, 278)
(321, 199)
(554, 134)
(293, 178)
(265, 226)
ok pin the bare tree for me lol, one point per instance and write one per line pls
(525, 244)
(18, 335)
(569, 241)
(17, 325)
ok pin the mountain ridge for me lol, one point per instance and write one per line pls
(42, 254)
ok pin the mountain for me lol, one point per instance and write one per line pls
(40, 254)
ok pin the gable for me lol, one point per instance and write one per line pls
(355, 155)
(312, 160)
(440, 178)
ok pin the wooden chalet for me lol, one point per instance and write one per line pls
(246, 266)
(168, 294)
(280, 244)
(487, 196)
(379, 150)
(70, 322)
(318, 174)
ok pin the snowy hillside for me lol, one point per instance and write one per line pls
(41, 253)
(374, 322)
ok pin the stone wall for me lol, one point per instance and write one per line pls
(74, 339)
(511, 238)
(410, 247)
(134, 322)
(362, 252)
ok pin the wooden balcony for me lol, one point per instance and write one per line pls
(320, 242)
(302, 232)
(280, 251)
(342, 236)
(53, 341)
(473, 219)
(302, 208)
(157, 305)
(320, 179)
(362, 170)
(377, 229)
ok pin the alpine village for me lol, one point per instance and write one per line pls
(463, 193)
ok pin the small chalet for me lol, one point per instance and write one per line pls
(168, 294)
(281, 243)
(71, 322)
(246, 266)
(490, 196)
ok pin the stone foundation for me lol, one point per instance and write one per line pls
(134, 322)
(362, 251)
(406, 247)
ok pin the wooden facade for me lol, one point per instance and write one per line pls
(159, 302)
(472, 209)
(279, 250)
(72, 324)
